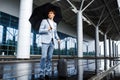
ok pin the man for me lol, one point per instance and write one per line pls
(48, 31)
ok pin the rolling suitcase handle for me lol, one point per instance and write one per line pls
(58, 50)
(62, 65)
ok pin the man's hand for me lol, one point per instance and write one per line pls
(50, 28)
(58, 40)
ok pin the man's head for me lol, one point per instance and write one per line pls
(51, 14)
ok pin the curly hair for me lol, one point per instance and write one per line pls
(52, 10)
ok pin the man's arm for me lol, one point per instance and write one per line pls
(56, 34)
(42, 29)
(57, 37)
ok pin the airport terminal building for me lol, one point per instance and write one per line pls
(89, 33)
(28, 42)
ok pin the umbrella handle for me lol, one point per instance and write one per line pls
(59, 50)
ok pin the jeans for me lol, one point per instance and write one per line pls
(46, 58)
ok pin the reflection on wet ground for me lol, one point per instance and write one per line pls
(30, 70)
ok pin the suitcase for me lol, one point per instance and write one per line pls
(62, 65)
(62, 68)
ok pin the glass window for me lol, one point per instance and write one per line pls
(11, 37)
(9, 30)
(1, 32)
(12, 34)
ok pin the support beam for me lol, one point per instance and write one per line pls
(105, 51)
(74, 9)
(23, 47)
(97, 41)
(113, 50)
(79, 36)
(82, 4)
(105, 45)
(101, 15)
(75, 48)
(117, 51)
(110, 52)
(114, 22)
(118, 1)
(96, 48)
(87, 5)
(80, 44)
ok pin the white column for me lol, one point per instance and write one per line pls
(96, 49)
(23, 48)
(113, 51)
(118, 1)
(110, 51)
(97, 41)
(80, 44)
(105, 51)
(117, 51)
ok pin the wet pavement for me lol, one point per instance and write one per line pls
(30, 71)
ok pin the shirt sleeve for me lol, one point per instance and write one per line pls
(56, 33)
(56, 36)
(43, 29)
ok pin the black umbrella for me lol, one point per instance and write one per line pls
(41, 13)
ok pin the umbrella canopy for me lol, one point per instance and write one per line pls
(41, 13)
